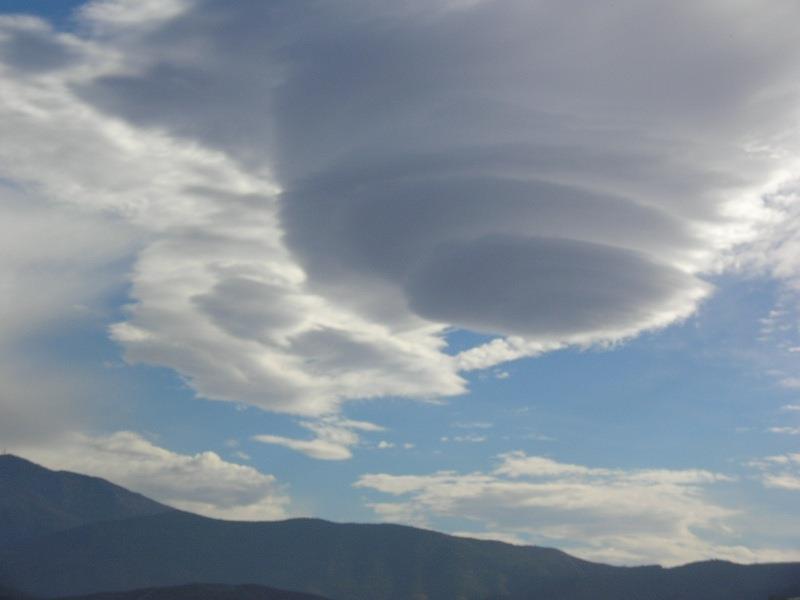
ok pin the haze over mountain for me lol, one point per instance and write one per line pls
(340, 561)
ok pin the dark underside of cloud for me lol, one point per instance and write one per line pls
(342, 183)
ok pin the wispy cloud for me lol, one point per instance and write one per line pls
(779, 471)
(334, 438)
(785, 430)
(619, 515)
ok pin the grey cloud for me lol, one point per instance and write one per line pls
(324, 189)
(247, 308)
(544, 287)
(397, 132)
(35, 51)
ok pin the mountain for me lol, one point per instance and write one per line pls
(196, 591)
(342, 562)
(10, 594)
(202, 592)
(35, 501)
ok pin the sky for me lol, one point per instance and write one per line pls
(505, 269)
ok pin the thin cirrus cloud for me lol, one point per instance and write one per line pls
(616, 515)
(319, 196)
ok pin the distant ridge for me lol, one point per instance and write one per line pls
(200, 591)
(196, 591)
(35, 501)
(335, 561)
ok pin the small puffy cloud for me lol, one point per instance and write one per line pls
(203, 483)
(473, 425)
(472, 439)
(791, 407)
(790, 382)
(383, 445)
(785, 430)
(334, 438)
(617, 515)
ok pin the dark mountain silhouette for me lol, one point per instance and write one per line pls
(7, 593)
(199, 591)
(340, 561)
(35, 501)
(195, 591)
(353, 562)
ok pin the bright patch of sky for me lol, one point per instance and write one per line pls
(352, 308)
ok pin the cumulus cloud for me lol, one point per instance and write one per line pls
(203, 483)
(321, 194)
(617, 515)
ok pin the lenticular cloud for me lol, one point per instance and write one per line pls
(322, 190)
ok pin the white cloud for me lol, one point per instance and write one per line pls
(306, 191)
(202, 483)
(785, 430)
(617, 515)
(780, 471)
(471, 439)
(791, 407)
(334, 438)
(473, 425)
(58, 271)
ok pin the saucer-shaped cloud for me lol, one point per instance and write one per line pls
(322, 191)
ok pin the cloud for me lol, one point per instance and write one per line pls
(202, 483)
(334, 438)
(319, 198)
(781, 471)
(617, 515)
(785, 430)
(59, 270)
(473, 439)
(473, 425)
(791, 407)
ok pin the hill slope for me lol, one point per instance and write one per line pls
(349, 562)
(202, 592)
(196, 591)
(35, 501)
(355, 562)
(338, 561)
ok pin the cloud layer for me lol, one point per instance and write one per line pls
(634, 516)
(320, 193)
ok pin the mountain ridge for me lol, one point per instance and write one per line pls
(36, 501)
(346, 562)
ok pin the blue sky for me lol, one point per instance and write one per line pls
(365, 274)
